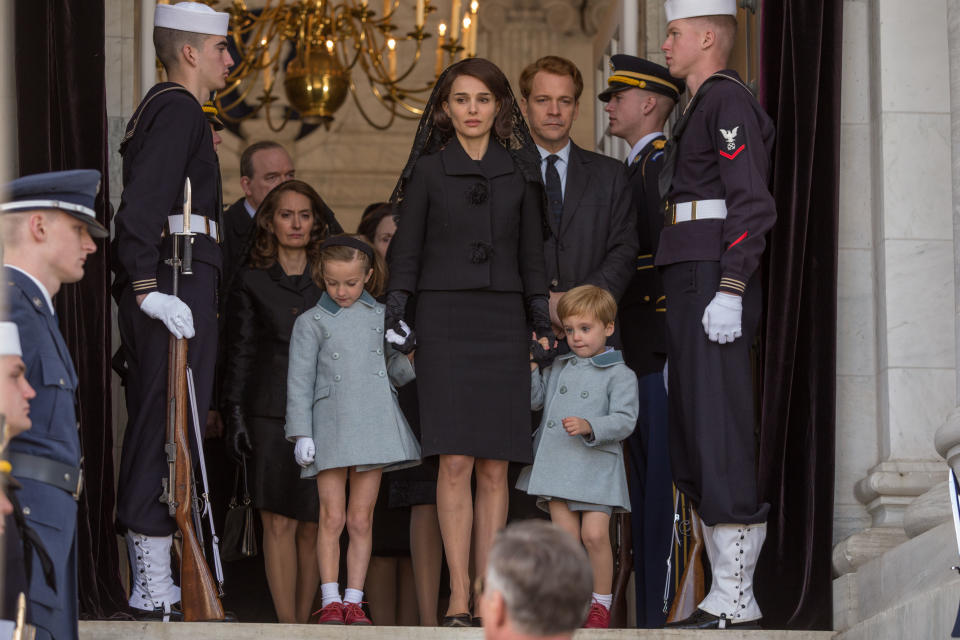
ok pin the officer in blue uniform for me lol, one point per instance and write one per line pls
(47, 235)
(717, 214)
(640, 96)
(168, 140)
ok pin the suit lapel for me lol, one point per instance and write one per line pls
(577, 170)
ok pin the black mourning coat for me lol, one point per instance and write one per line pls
(468, 224)
(261, 310)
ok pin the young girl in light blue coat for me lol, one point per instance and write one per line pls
(590, 404)
(342, 412)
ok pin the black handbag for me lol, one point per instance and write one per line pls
(239, 526)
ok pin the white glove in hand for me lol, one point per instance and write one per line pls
(721, 318)
(304, 450)
(394, 338)
(666, 378)
(170, 310)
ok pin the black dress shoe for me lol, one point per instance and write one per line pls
(477, 621)
(701, 619)
(457, 620)
(157, 615)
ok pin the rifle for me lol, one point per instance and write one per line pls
(623, 558)
(691, 590)
(199, 595)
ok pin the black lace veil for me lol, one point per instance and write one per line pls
(430, 139)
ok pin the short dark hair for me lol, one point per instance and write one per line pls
(246, 158)
(551, 64)
(543, 575)
(490, 75)
(263, 253)
(168, 43)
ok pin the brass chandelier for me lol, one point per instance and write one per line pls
(314, 48)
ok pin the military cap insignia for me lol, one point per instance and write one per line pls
(731, 141)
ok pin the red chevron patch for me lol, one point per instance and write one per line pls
(731, 156)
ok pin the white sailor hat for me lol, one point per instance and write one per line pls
(9, 339)
(677, 9)
(72, 192)
(191, 16)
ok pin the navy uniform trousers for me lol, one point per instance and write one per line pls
(712, 450)
(143, 464)
(48, 510)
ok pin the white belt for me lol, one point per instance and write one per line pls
(198, 224)
(697, 210)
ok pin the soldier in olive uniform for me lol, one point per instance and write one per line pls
(168, 140)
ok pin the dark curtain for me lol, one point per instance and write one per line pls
(800, 88)
(61, 118)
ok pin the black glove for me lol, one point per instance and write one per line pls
(396, 304)
(538, 314)
(237, 437)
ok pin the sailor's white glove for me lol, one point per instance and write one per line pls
(721, 318)
(304, 451)
(666, 377)
(395, 338)
(171, 311)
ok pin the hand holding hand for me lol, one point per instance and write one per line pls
(540, 351)
(172, 311)
(304, 451)
(721, 318)
(577, 426)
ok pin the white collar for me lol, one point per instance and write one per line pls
(641, 143)
(250, 210)
(43, 289)
(564, 154)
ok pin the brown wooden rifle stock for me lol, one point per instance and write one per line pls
(623, 556)
(198, 594)
(691, 590)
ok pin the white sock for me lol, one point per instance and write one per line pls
(606, 600)
(330, 592)
(353, 595)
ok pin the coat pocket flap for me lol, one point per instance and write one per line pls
(55, 373)
(321, 392)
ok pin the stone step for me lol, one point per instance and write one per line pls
(99, 630)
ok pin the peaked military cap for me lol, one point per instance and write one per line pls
(72, 192)
(633, 72)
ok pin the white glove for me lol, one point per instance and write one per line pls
(666, 383)
(170, 310)
(394, 338)
(721, 318)
(304, 451)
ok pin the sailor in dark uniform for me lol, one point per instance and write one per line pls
(168, 140)
(48, 229)
(718, 212)
(640, 96)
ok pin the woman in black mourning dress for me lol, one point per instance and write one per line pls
(469, 246)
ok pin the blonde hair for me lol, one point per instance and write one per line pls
(589, 300)
(344, 253)
(724, 27)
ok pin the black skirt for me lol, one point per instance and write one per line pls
(275, 483)
(473, 374)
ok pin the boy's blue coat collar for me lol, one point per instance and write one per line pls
(330, 306)
(605, 359)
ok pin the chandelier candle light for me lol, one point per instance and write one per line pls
(316, 45)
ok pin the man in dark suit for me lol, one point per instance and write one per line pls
(592, 224)
(639, 97)
(263, 165)
(48, 229)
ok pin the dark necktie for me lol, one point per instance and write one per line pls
(554, 189)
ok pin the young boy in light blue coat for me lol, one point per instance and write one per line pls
(590, 404)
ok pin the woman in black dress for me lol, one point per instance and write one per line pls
(267, 296)
(469, 244)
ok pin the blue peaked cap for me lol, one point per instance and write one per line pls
(72, 192)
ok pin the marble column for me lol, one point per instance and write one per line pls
(896, 329)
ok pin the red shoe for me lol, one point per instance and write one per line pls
(353, 614)
(598, 617)
(333, 613)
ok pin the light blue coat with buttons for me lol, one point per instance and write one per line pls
(340, 389)
(603, 391)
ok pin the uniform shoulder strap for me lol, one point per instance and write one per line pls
(143, 107)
